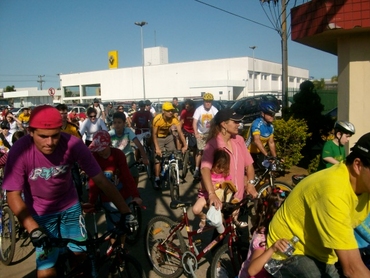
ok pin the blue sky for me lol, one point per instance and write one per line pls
(70, 36)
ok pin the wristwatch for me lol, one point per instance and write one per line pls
(252, 182)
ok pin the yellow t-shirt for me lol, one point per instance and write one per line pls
(24, 118)
(322, 211)
(72, 129)
(164, 125)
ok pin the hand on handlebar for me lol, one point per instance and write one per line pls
(39, 238)
(158, 152)
(128, 223)
(251, 190)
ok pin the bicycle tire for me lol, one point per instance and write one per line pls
(222, 263)
(7, 236)
(262, 190)
(135, 236)
(185, 165)
(167, 265)
(174, 185)
(127, 266)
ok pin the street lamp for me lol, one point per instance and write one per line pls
(141, 24)
(253, 48)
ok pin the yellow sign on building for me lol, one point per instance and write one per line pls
(113, 59)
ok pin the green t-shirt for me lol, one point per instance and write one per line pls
(331, 150)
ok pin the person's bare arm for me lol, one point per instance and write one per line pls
(352, 263)
(207, 181)
(258, 143)
(195, 128)
(250, 188)
(141, 150)
(331, 160)
(112, 193)
(19, 208)
(157, 150)
(272, 147)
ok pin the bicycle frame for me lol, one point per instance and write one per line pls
(229, 230)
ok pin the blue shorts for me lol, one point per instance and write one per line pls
(66, 224)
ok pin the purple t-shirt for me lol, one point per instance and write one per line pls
(46, 180)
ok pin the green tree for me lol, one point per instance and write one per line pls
(307, 106)
(9, 89)
(334, 78)
(319, 84)
(290, 137)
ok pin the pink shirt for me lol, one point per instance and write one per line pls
(46, 179)
(239, 159)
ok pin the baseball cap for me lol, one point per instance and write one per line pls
(100, 141)
(148, 102)
(167, 106)
(227, 114)
(96, 100)
(362, 146)
(45, 117)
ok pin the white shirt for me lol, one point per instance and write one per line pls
(90, 128)
(204, 118)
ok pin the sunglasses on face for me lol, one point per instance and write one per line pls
(92, 116)
(168, 110)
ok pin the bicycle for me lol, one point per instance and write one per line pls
(116, 257)
(189, 157)
(266, 178)
(170, 256)
(144, 138)
(14, 240)
(170, 174)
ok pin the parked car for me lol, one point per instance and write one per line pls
(249, 107)
(80, 111)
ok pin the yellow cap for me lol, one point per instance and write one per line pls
(167, 106)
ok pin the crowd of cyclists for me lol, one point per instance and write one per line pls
(53, 149)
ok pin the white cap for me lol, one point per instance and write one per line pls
(214, 218)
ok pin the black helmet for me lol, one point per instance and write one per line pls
(95, 100)
(141, 103)
(148, 102)
(268, 107)
(344, 127)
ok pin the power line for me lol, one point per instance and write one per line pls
(225, 11)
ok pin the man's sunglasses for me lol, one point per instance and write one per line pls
(92, 116)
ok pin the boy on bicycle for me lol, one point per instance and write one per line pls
(39, 164)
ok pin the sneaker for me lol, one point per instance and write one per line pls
(196, 174)
(157, 184)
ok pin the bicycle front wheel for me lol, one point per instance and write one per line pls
(7, 236)
(173, 182)
(164, 253)
(266, 188)
(128, 267)
(224, 264)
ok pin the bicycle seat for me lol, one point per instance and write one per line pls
(179, 204)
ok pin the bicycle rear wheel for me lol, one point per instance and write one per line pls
(224, 264)
(174, 185)
(165, 256)
(7, 236)
(266, 188)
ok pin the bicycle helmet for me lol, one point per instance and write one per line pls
(268, 107)
(141, 103)
(344, 127)
(208, 97)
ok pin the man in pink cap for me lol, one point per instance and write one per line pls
(40, 165)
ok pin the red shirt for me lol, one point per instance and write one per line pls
(141, 119)
(187, 117)
(115, 164)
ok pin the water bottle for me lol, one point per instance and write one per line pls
(278, 258)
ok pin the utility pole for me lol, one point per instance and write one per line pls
(253, 48)
(284, 49)
(41, 80)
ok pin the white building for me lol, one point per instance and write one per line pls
(226, 79)
(26, 97)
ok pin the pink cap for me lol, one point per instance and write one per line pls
(100, 141)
